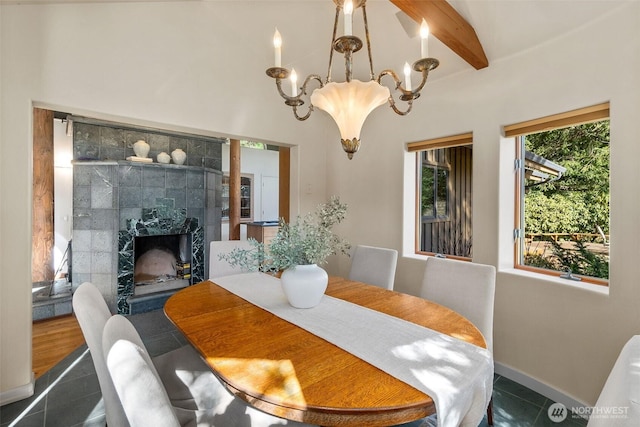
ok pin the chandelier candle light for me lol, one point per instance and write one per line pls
(350, 102)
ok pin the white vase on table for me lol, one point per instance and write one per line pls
(304, 285)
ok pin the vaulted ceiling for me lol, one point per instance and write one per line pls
(448, 26)
(467, 34)
(502, 27)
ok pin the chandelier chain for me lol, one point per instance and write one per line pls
(333, 37)
(368, 39)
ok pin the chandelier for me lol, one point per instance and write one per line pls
(350, 102)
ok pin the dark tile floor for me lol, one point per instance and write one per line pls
(69, 394)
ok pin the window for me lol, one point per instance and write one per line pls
(246, 197)
(562, 187)
(443, 178)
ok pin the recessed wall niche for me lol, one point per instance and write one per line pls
(109, 192)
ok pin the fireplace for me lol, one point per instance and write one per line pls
(159, 253)
(161, 263)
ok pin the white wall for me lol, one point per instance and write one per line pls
(180, 65)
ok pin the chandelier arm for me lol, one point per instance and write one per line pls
(308, 79)
(306, 116)
(394, 76)
(425, 74)
(392, 104)
(303, 90)
(423, 66)
(295, 101)
(286, 97)
(368, 39)
(407, 96)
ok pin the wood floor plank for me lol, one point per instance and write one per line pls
(53, 340)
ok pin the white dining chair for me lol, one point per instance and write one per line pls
(138, 386)
(145, 399)
(373, 265)
(125, 361)
(186, 377)
(621, 390)
(467, 288)
(218, 267)
(92, 313)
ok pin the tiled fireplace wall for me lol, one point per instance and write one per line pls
(110, 192)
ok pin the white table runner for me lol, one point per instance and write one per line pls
(457, 375)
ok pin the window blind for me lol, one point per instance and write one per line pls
(444, 142)
(557, 121)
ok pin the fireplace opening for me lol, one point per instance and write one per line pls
(161, 263)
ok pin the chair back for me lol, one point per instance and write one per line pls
(375, 266)
(92, 313)
(218, 267)
(137, 383)
(621, 390)
(465, 287)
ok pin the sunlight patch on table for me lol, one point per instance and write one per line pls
(262, 377)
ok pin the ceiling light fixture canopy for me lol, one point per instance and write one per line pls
(350, 102)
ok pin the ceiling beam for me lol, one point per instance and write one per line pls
(448, 26)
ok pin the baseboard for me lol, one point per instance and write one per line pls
(538, 386)
(18, 393)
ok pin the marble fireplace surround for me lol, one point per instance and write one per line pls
(155, 222)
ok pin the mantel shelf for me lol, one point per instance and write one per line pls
(142, 164)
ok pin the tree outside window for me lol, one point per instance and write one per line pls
(564, 219)
(434, 192)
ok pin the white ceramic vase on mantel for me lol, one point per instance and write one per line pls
(164, 158)
(304, 285)
(141, 148)
(178, 156)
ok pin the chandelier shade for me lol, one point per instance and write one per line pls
(349, 103)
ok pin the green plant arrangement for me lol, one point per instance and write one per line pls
(309, 240)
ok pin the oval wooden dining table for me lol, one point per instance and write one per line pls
(286, 371)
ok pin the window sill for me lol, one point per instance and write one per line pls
(414, 255)
(591, 287)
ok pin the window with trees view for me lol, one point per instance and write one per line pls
(443, 214)
(435, 194)
(563, 186)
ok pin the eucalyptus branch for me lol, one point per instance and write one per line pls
(309, 240)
